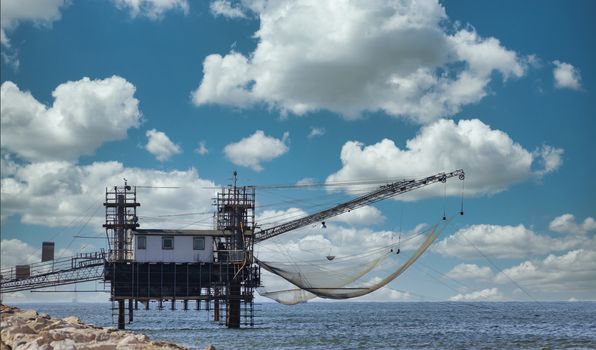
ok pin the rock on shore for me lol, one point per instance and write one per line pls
(26, 329)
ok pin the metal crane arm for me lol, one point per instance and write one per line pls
(383, 192)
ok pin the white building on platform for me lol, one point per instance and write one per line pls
(173, 246)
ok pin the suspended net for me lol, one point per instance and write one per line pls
(342, 277)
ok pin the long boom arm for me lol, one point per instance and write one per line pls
(383, 192)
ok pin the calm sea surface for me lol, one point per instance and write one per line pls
(357, 325)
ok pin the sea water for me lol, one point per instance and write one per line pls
(360, 325)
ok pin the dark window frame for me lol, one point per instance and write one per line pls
(198, 239)
(144, 240)
(163, 241)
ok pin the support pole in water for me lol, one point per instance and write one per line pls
(233, 311)
(216, 310)
(130, 312)
(121, 314)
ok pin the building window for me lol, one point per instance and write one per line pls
(198, 243)
(141, 242)
(167, 242)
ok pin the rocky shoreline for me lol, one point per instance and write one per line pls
(27, 329)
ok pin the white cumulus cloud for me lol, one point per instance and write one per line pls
(566, 76)
(502, 242)
(160, 145)
(551, 159)
(225, 8)
(491, 159)
(16, 252)
(572, 271)
(315, 132)
(251, 151)
(566, 224)
(153, 9)
(271, 217)
(13, 12)
(85, 114)
(352, 57)
(363, 216)
(59, 193)
(489, 294)
(202, 149)
(470, 271)
(307, 181)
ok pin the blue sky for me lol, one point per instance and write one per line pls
(94, 91)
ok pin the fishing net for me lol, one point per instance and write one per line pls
(342, 277)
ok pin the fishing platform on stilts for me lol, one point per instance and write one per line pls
(214, 269)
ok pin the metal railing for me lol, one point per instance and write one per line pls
(80, 268)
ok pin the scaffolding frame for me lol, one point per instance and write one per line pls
(235, 213)
(121, 216)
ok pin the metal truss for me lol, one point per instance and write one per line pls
(81, 268)
(383, 192)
